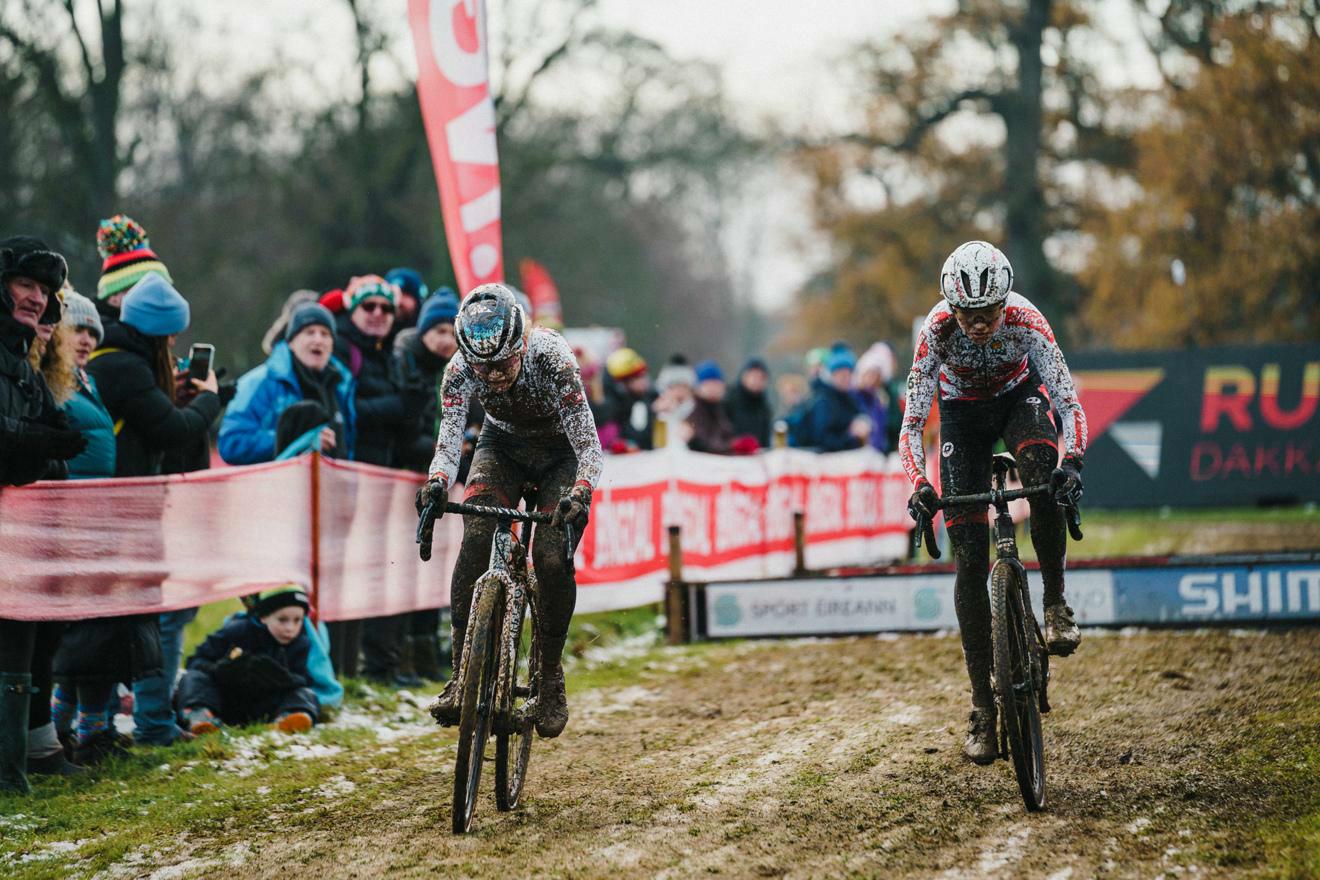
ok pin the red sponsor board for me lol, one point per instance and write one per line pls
(104, 547)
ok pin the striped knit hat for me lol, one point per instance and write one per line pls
(123, 245)
(360, 287)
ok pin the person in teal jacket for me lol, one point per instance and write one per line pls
(86, 411)
(300, 400)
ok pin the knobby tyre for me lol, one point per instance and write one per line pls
(1015, 679)
(513, 746)
(480, 665)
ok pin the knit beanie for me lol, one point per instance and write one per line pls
(440, 307)
(305, 316)
(333, 300)
(362, 286)
(755, 363)
(281, 597)
(623, 364)
(672, 374)
(408, 281)
(275, 331)
(126, 254)
(79, 311)
(840, 360)
(707, 370)
(155, 308)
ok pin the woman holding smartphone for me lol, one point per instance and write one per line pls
(134, 371)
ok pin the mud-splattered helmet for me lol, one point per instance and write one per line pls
(490, 325)
(976, 275)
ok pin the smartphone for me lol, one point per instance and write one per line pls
(200, 357)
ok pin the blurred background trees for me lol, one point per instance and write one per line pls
(1177, 212)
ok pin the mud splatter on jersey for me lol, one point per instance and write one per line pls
(546, 402)
(948, 363)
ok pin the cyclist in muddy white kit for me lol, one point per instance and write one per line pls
(989, 357)
(539, 437)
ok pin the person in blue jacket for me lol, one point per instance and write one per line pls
(834, 421)
(300, 400)
(266, 664)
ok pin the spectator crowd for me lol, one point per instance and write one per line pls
(92, 387)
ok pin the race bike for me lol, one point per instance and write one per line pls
(498, 683)
(1021, 662)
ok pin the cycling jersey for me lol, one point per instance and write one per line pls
(949, 364)
(545, 404)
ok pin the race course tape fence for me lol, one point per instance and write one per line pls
(99, 548)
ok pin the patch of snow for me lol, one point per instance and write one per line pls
(1136, 826)
(20, 822)
(336, 786)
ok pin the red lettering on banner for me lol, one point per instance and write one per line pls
(1209, 461)
(1217, 402)
(1270, 410)
(738, 512)
(1201, 452)
(1297, 458)
(1267, 457)
(1237, 460)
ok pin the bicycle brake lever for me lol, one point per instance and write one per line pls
(1074, 517)
(570, 546)
(426, 531)
(926, 530)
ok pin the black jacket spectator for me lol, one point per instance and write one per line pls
(418, 373)
(749, 410)
(151, 423)
(380, 407)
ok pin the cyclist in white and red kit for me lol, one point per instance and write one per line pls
(989, 357)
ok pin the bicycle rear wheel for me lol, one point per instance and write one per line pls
(513, 747)
(1016, 678)
(480, 667)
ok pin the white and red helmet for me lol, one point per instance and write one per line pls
(976, 275)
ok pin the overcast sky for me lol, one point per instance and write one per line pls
(779, 60)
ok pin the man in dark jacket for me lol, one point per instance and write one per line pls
(747, 404)
(35, 443)
(628, 400)
(834, 421)
(362, 344)
(711, 429)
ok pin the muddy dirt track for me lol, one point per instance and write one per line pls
(1168, 753)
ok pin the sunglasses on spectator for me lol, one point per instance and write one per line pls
(377, 305)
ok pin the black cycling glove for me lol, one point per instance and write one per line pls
(1066, 481)
(574, 509)
(924, 502)
(435, 492)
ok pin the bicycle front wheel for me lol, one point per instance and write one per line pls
(1016, 678)
(480, 666)
(513, 747)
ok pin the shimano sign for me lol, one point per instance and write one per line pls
(1187, 591)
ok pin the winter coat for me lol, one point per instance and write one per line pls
(250, 637)
(24, 398)
(632, 415)
(711, 429)
(379, 405)
(750, 413)
(109, 649)
(147, 422)
(247, 433)
(417, 375)
(828, 416)
(873, 407)
(88, 416)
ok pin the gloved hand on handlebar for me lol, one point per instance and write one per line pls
(573, 508)
(1066, 481)
(924, 502)
(434, 491)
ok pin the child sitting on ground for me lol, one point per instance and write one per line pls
(254, 668)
